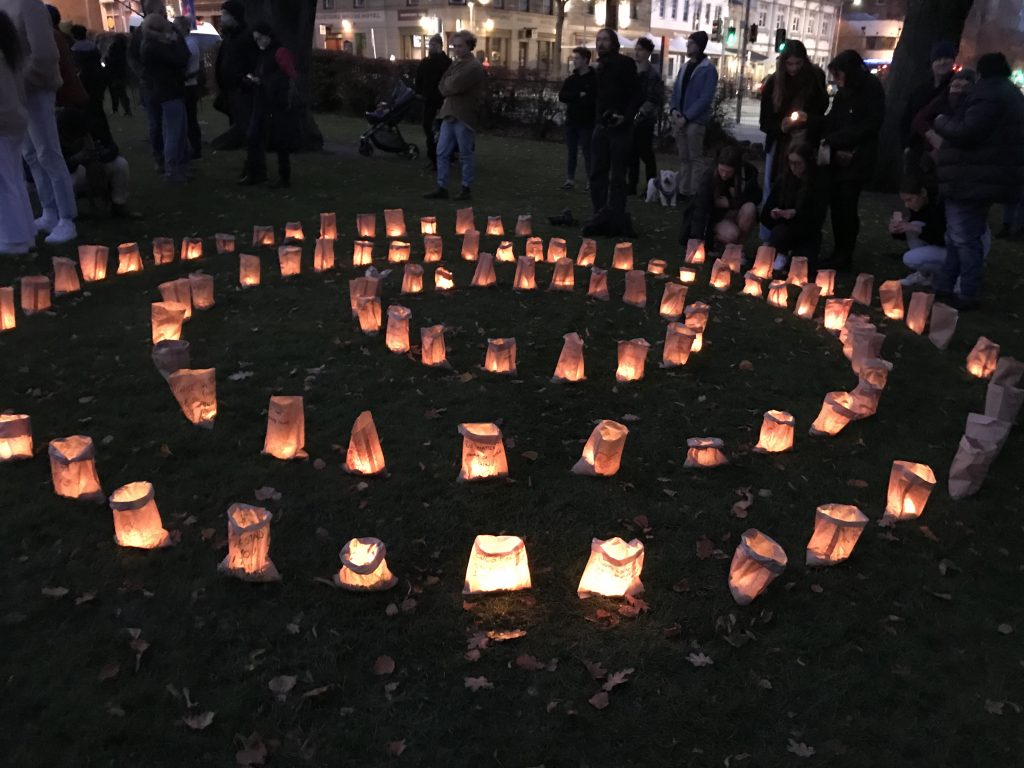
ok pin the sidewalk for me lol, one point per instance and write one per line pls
(747, 129)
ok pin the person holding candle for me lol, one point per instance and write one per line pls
(793, 104)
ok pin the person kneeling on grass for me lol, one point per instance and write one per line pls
(794, 210)
(725, 206)
(98, 171)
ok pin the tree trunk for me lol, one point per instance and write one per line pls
(558, 63)
(927, 22)
(611, 14)
(293, 21)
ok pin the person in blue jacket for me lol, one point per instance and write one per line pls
(692, 97)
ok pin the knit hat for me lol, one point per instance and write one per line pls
(942, 50)
(235, 8)
(700, 38)
(993, 65)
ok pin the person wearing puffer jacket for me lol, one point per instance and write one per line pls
(17, 232)
(41, 149)
(980, 162)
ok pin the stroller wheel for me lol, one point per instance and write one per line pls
(412, 151)
(365, 147)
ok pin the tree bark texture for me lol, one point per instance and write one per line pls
(927, 22)
(293, 21)
(558, 61)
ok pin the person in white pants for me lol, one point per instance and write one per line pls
(17, 232)
(41, 149)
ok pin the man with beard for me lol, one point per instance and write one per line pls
(618, 95)
(236, 58)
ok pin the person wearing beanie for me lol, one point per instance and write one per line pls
(236, 58)
(850, 135)
(934, 90)
(980, 162)
(41, 149)
(793, 104)
(693, 94)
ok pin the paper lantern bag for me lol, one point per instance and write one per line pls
(602, 455)
(613, 569)
(286, 428)
(837, 527)
(170, 356)
(364, 567)
(757, 562)
(8, 319)
(483, 275)
(249, 545)
(497, 564)
(137, 520)
(73, 468)
(196, 393)
(570, 366)
(15, 437)
(365, 456)
(483, 453)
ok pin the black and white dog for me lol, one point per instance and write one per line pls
(663, 188)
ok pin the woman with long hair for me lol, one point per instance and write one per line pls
(727, 199)
(275, 113)
(17, 229)
(793, 104)
(792, 214)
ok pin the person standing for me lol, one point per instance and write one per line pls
(275, 120)
(116, 70)
(793, 104)
(617, 99)
(577, 93)
(428, 78)
(89, 64)
(462, 87)
(17, 231)
(851, 135)
(980, 162)
(193, 90)
(164, 56)
(41, 148)
(236, 58)
(943, 55)
(693, 96)
(653, 93)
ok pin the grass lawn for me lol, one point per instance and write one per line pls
(894, 658)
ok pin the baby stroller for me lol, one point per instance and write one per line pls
(384, 133)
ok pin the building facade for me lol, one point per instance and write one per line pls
(813, 22)
(512, 33)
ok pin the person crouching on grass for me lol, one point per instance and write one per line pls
(725, 206)
(794, 212)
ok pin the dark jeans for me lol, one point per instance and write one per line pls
(578, 137)
(966, 224)
(155, 123)
(119, 96)
(256, 155)
(844, 201)
(429, 116)
(788, 239)
(643, 150)
(195, 136)
(609, 153)
(237, 105)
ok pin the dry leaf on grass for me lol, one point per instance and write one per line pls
(501, 636)
(700, 660)
(854, 483)
(1004, 629)
(266, 492)
(618, 678)
(109, 670)
(396, 748)
(705, 548)
(55, 592)
(596, 669)
(476, 683)
(281, 685)
(599, 700)
(530, 455)
(526, 661)
(741, 507)
(199, 721)
(799, 749)
(253, 751)
(384, 665)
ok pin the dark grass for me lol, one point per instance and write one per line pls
(889, 663)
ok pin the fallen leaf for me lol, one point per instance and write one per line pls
(384, 665)
(596, 670)
(599, 700)
(994, 707)
(630, 417)
(110, 670)
(55, 592)
(618, 678)
(501, 636)
(265, 493)
(200, 721)
(472, 655)
(799, 749)
(476, 683)
(854, 484)
(927, 533)
(745, 365)
(705, 548)
(316, 692)
(281, 685)
(85, 597)
(526, 661)
(391, 610)
(1004, 629)
(253, 752)
(817, 589)
(396, 748)
(700, 660)
(530, 455)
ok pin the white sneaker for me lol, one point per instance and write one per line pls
(15, 249)
(917, 280)
(780, 263)
(956, 287)
(64, 232)
(46, 222)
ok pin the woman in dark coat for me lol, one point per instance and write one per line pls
(851, 133)
(727, 199)
(275, 123)
(793, 211)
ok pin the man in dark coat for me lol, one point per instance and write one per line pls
(980, 162)
(236, 58)
(943, 56)
(577, 93)
(164, 56)
(617, 98)
(428, 78)
(851, 135)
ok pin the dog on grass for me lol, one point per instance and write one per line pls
(662, 188)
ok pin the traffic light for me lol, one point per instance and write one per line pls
(780, 40)
(752, 36)
(730, 37)
(716, 30)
